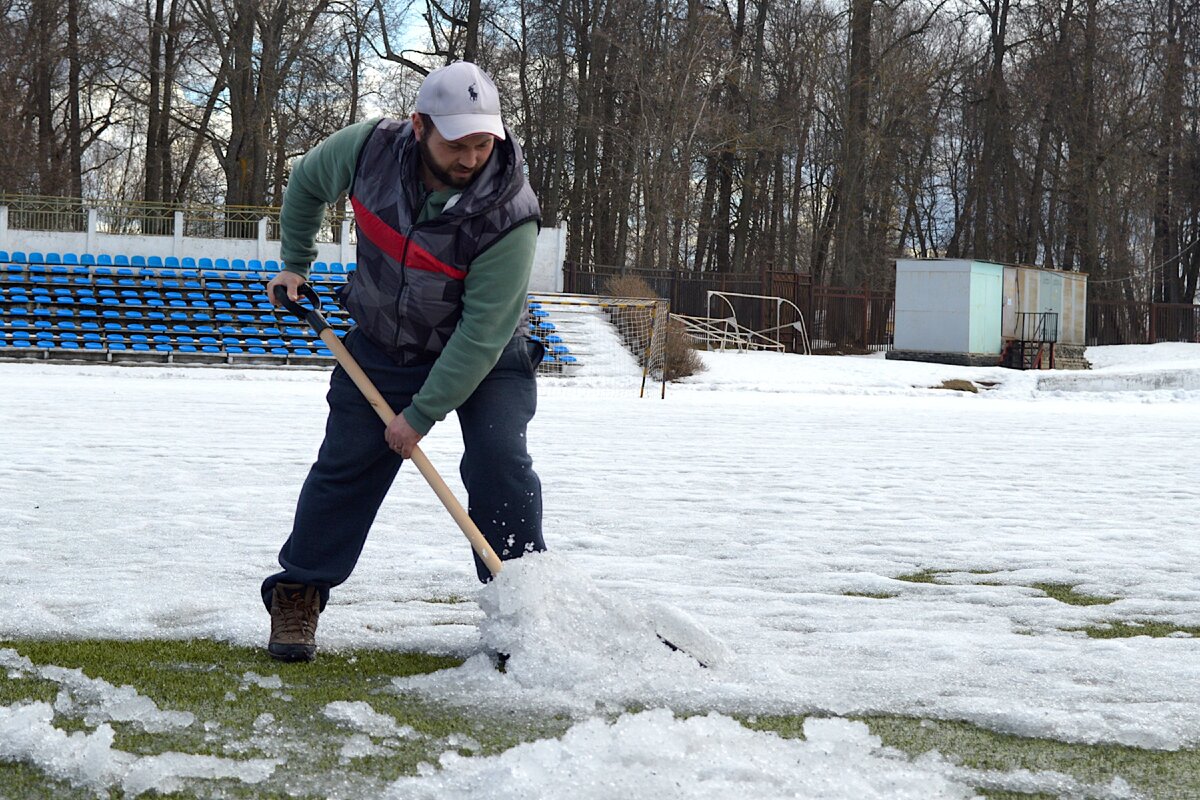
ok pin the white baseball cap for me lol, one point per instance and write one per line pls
(462, 101)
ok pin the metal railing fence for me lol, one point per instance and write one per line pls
(138, 218)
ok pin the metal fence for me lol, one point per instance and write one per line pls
(136, 218)
(836, 318)
(1131, 322)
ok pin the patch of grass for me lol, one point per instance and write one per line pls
(238, 718)
(452, 599)
(1065, 593)
(13, 690)
(958, 385)
(27, 783)
(1157, 774)
(924, 576)
(1128, 630)
(872, 595)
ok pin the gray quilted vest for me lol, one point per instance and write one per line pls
(406, 294)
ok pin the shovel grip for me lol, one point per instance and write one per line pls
(311, 315)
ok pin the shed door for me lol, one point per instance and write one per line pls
(1050, 298)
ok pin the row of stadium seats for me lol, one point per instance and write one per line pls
(135, 311)
(170, 262)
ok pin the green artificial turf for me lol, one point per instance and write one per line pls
(209, 679)
(1156, 774)
(239, 719)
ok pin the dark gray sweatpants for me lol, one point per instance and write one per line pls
(355, 467)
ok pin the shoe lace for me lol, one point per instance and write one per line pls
(297, 613)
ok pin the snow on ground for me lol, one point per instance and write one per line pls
(773, 499)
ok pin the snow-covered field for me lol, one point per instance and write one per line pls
(774, 500)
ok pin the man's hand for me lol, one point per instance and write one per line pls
(401, 436)
(291, 280)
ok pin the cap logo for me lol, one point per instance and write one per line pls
(474, 94)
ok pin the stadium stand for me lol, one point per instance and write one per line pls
(128, 307)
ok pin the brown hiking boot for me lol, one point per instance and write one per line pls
(294, 611)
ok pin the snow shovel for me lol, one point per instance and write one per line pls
(327, 335)
(692, 640)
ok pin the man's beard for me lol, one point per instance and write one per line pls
(442, 175)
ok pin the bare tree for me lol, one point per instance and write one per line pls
(259, 42)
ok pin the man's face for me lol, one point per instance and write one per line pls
(452, 164)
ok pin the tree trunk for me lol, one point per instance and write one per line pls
(471, 35)
(850, 236)
(74, 122)
(1169, 124)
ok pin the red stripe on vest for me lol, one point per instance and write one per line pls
(392, 242)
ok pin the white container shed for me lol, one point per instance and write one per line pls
(949, 305)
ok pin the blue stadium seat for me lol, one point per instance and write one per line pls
(154, 261)
(53, 258)
(18, 257)
(238, 264)
(87, 259)
(137, 261)
(120, 260)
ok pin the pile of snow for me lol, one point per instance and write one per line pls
(653, 754)
(572, 647)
